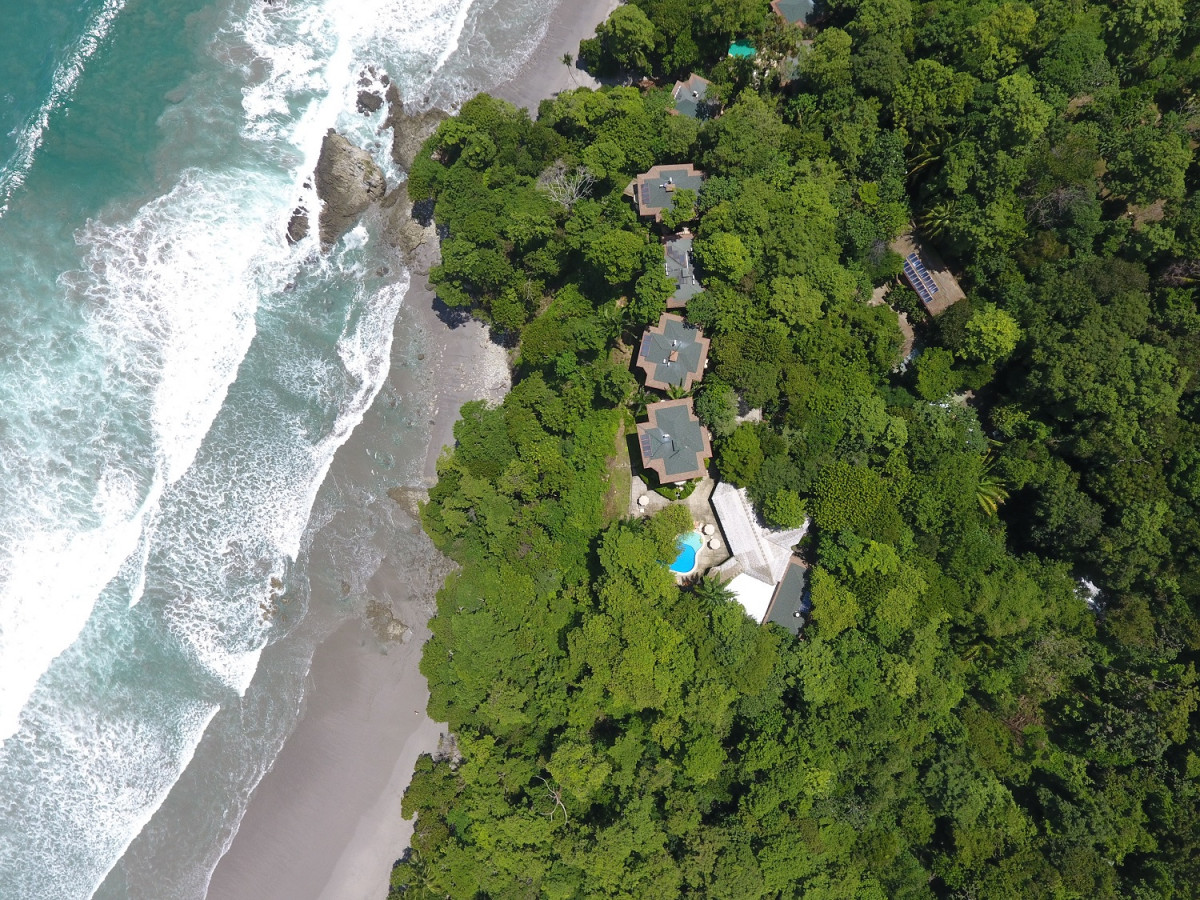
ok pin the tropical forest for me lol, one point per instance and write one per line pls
(994, 691)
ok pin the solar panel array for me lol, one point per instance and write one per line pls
(645, 446)
(919, 278)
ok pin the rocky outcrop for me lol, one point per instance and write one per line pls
(348, 181)
(368, 102)
(297, 229)
(409, 130)
(402, 231)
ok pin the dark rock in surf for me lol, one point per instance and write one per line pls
(348, 181)
(297, 229)
(369, 102)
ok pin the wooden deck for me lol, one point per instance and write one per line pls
(948, 292)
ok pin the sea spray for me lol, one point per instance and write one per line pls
(181, 392)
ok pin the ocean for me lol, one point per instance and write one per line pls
(175, 381)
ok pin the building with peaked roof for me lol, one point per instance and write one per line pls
(757, 551)
(691, 98)
(764, 574)
(653, 191)
(673, 442)
(672, 354)
(681, 269)
(794, 12)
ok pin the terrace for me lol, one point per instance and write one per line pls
(653, 191)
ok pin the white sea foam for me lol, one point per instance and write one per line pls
(33, 133)
(460, 20)
(124, 763)
(175, 291)
(70, 568)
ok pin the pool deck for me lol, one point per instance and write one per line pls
(702, 514)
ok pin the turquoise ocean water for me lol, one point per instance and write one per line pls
(175, 381)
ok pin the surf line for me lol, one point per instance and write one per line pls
(460, 22)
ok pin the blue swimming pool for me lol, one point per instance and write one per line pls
(686, 560)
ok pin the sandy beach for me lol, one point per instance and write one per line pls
(324, 822)
(545, 75)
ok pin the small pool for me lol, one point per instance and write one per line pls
(686, 560)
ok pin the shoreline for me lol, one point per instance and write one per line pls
(324, 822)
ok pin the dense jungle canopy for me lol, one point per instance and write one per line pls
(956, 719)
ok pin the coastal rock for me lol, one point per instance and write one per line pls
(348, 181)
(409, 130)
(409, 499)
(368, 102)
(402, 231)
(297, 229)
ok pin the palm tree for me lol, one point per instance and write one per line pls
(937, 218)
(640, 400)
(991, 492)
(713, 590)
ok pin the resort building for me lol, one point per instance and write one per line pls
(794, 12)
(673, 442)
(766, 577)
(673, 354)
(681, 269)
(927, 274)
(691, 98)
(653, 191)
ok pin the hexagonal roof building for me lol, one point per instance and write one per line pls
(672, 354)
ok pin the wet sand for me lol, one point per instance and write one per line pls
(545, 75)
(324, 822)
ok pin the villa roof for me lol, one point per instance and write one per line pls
(672, 354)
(691, 98)
(754, 595)
(681, 269)
(673, 442)
(794, 12)
(789, 606)
(761, 552)
(653, 190)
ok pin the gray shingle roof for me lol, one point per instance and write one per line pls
(691, 98)
(654, 190)
(794, 11)
(789, 606)
(673, 442)
(672, 354)
(681, 269)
